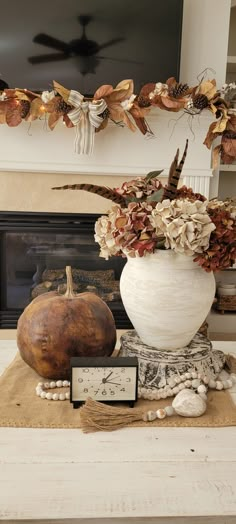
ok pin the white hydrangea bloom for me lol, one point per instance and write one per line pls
(186, 225)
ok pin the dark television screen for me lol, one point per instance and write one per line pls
(83, 44)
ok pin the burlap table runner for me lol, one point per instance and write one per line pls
(20, 407)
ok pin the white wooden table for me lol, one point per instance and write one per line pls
(140, 475)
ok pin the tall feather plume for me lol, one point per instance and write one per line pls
(103, 191)
(174, 175)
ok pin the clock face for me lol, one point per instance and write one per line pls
(104, 383)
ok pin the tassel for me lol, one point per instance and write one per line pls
(174, 175)
(96, 416)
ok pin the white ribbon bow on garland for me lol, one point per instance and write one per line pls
(86, 119)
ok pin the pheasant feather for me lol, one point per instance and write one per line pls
(103, 191)
(174, 175)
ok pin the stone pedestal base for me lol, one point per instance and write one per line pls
(156, 366)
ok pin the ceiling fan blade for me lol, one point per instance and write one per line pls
(118, 59)
(51, 57)
(111, 42)
(49, 41)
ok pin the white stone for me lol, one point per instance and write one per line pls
(219, 385)
(146, 284)
(188, 404)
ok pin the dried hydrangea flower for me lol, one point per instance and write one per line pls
(221, 253)
(139, 188)
(126, 231)
(186, 225)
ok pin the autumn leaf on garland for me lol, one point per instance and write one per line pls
(119, 101)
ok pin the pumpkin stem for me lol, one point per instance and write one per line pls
(69, 284)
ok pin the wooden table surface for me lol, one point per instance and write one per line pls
(134, 475)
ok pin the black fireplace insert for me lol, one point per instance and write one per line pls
(35, 248)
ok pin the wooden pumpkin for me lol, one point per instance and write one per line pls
(53, 328)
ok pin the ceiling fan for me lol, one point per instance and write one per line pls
(85, 49)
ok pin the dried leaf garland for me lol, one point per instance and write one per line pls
(125, 108)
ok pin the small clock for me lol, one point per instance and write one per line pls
(106, 379)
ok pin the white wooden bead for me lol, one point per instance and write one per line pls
(52, 385)
(169, 411)
(161, 413)
(40, 384)
(177, 380)
(65, 383)
(67, 395)
(188, 383)
(201, 389)
(151, 415)
(46, 385)
(219, 385)
(59, 383)
(38, 392)
(188, 375)
(196, 383)
(175, 390)
(55, 396)
(43, 394)
(49, 396)
(62, 396)
(212, 383)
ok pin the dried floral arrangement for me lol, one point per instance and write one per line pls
(147, 216)
(123, 107)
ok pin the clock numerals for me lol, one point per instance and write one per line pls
(104, 392)
(85, 390)
(80, 380)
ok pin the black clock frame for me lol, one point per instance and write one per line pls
(95, 362)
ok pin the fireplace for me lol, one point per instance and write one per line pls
(36, 247)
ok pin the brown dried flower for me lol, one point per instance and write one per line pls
(221, 253)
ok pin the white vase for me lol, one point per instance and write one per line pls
(167, 297)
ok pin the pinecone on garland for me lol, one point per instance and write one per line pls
(62, 106)
(200, 101)
(178, 90)
(25, 107)
(105, 113)
(143, 101)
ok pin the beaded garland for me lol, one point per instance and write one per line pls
(190, 380)
(42, 386)
(193, 380)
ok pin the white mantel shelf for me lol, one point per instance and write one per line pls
(135, 475)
